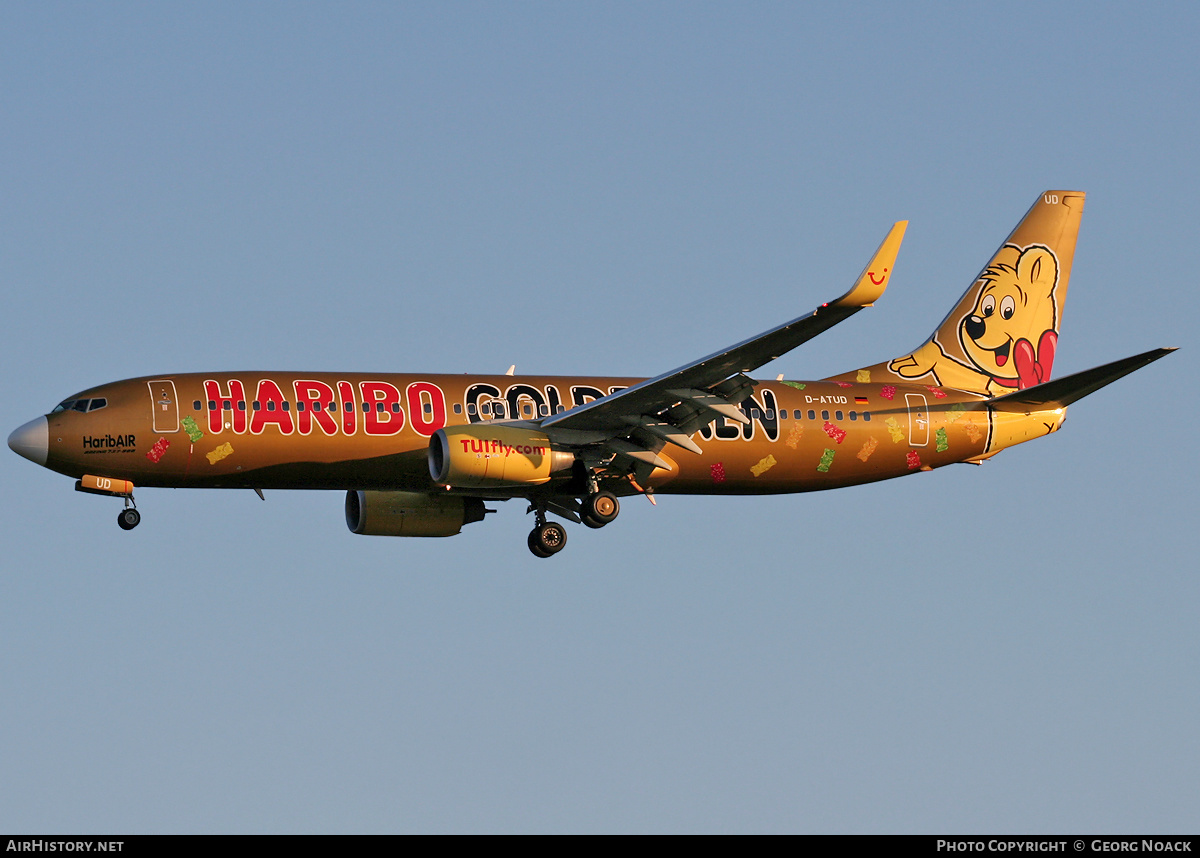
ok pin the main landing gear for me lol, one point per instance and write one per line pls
(549, 537)
(599, 509)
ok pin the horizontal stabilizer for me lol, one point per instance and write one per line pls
(1061, 392)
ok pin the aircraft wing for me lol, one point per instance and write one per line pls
(638, 421)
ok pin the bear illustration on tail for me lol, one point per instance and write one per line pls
(1009, 335)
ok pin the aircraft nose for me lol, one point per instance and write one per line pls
(32, 440)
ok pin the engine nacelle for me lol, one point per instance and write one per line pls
(410, 513)
(483, 455)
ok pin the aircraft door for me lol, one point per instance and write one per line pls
(918, 419)
(163, 405)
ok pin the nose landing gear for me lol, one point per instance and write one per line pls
(129, 517)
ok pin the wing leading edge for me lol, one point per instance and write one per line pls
(639, 421)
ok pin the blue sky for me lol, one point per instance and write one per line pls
(616, 189)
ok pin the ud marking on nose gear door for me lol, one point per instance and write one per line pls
(918, 419)
(163, 405)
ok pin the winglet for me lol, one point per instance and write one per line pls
(869, 286)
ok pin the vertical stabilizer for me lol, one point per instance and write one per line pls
(1003, 333)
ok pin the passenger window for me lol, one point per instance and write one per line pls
(212, 405)
(300, 405)
(561, 409)
(544, 410)
(256, 405)
(227, 405)
(838, 415)
(485, 409)
(379, 407)
(867, 416)
(527, 409)
(498, 408)
(428, 408)
(824, 415)
(853, 415)
(755, 413)
(395, 407)
(270, 404)
(770, 413)
(470, 408)
(458, 408)
(287, 406)
(812, 415)
(366, 407)
(242, 405)
(196, 405)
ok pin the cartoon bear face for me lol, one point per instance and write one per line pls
(1015, 308)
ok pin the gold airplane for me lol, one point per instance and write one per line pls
(420, 455)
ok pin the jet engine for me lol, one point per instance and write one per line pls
(410, 513)
(483, 455)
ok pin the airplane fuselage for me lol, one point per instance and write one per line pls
(283, 430)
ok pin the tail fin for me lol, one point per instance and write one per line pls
(1002, 335)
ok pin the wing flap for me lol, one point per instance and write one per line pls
(706, 401)
(633, 451)
(665, 430)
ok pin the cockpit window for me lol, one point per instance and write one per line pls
(81, 405)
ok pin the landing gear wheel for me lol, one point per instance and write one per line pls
(128, 519)
(547, 539)
(600, 509)
(534, 545)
